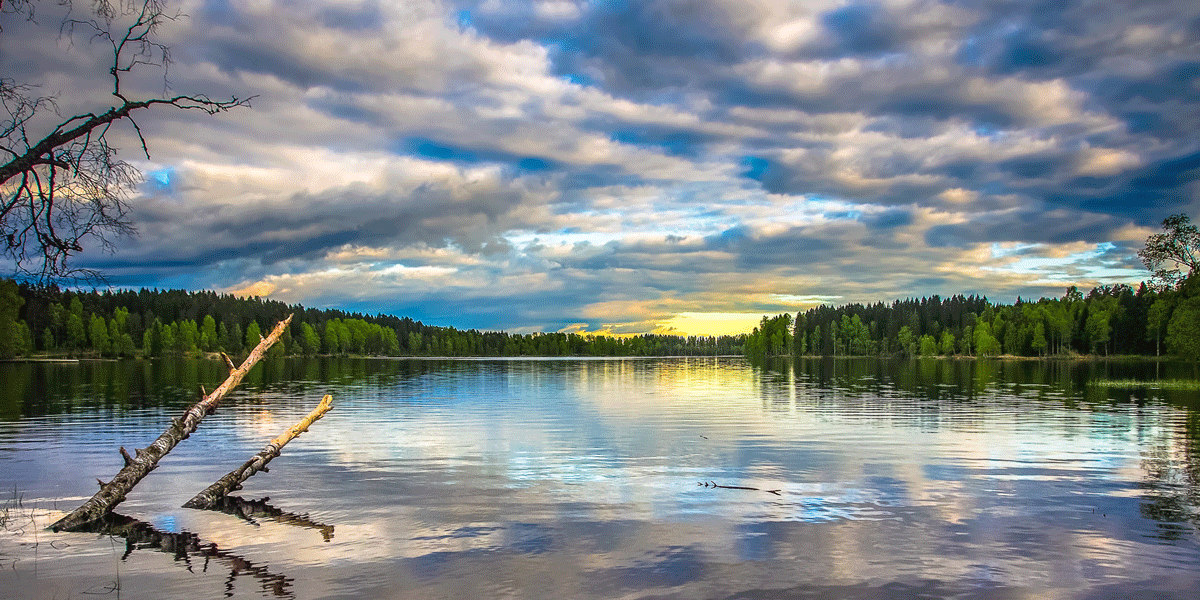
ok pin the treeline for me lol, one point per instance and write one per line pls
(1109, 320)
(47, 320)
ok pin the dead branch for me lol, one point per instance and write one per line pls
(146, 459)
(232, 481)
(65, 186)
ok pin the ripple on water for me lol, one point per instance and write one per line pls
(582, 479)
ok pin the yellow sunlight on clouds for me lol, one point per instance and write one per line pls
(261, 289)
(693, 323)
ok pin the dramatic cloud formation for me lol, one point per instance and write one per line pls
(633, 166)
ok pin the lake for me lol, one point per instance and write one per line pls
(580, 478)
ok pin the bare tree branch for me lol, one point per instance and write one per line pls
(68, 187)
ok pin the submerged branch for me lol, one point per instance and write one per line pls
(713, 484)
(146, 459)
(232, 481)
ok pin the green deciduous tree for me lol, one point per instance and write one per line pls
(253, 335)
(1157, 319)
(1183, 332)
(908, 343)
(11, 334)
(929, 346)
(332, 337)
(857, 334)
(99, 336)
(310, 342)
(391, 343)
(76, 329)
(1098, 329)
(967, 340)
(1173, 255)
(947, 343)
(208, 334)
(772, 337)
(985, 344)
(170, 338)
(1038, 342)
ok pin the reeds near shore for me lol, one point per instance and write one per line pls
(1163, 384)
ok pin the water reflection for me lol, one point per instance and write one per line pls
(579, 478)
(35, 389)
(1171, 467)
(253, 510)
(1172, 481)
(185, 547)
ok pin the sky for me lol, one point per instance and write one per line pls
(657, 166)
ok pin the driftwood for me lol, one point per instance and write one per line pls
(146, 459)
(184, 546)
(232, 481)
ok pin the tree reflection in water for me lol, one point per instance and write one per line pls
(1172, 481)
(252, 510)
(186, 546)
(140, 535)
(1171, 470)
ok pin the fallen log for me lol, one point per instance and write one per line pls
(146, 459)
(232, 481)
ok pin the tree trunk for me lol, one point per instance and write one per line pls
(232, 481)
(145, 460)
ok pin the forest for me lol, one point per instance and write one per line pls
(1107, 321)
(44, 320)
(1163, 317)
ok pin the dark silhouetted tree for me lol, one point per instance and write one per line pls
(62, 182)
(1168, 254)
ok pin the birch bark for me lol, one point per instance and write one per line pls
(146, 459)
(232, 481)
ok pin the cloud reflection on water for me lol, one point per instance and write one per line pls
(578, 479)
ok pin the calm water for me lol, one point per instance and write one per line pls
(579, 479)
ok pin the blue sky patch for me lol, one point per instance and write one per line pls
(757, 167)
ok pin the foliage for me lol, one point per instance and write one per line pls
(1108, 320)
(1167, 253)
(179, 323)
(11, 334)
(1183, 329)
(772, 337)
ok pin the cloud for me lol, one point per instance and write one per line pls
(542, 165)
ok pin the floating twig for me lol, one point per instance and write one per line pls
(713, 484)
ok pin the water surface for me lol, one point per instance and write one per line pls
(581, 479)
